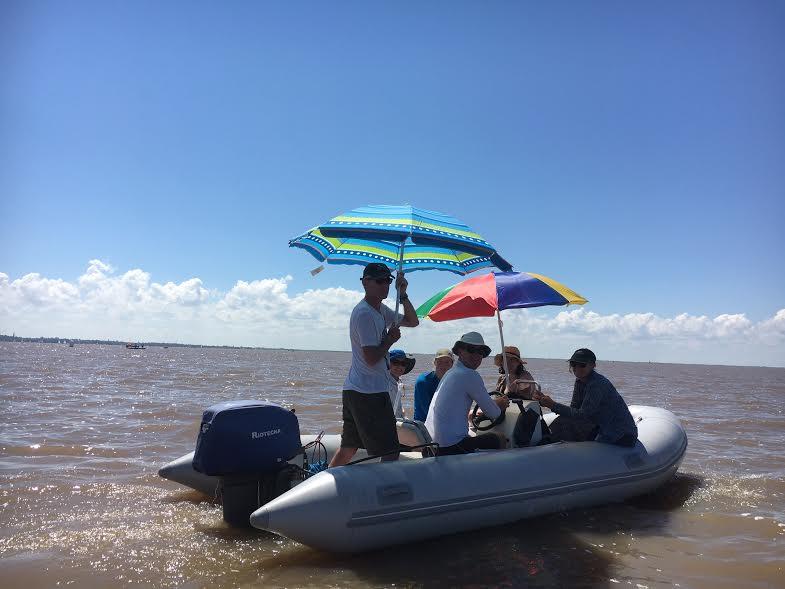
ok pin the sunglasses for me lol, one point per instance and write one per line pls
(472, 349)
(398, 362)
(577, 364)
(385, 280)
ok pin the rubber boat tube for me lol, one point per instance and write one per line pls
(351, 509)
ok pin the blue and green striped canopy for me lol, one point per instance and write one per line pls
(335, 250)
(377, 233)
(397, 223)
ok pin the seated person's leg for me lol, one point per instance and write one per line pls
(451, 450)
(471, 443)
(570, 429)
(481, 442)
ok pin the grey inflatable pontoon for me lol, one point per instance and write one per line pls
(363, 507)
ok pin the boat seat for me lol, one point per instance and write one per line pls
(412, 433)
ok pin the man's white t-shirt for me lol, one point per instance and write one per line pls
(367, 327)
(446, 421)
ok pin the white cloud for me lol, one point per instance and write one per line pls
(102, 304)
(646, 325)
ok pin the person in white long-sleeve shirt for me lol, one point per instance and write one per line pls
(462, 384)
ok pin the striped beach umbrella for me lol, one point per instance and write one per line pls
(337, 250)
(430, 240)
(397, 223)
(489, 294)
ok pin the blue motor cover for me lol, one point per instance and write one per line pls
(245, 437)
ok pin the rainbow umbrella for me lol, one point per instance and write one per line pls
(489, 294)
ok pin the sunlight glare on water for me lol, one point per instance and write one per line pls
(85, 429)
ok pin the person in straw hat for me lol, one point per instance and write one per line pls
(519, 388)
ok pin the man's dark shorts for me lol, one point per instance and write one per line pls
(369, 422)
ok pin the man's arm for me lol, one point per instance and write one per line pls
(409, 313)
(373, 354)
(489, 407)
(591, 406)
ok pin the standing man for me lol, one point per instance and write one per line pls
(368, 419)
(596, 402)
(446, 421)
(427, 383)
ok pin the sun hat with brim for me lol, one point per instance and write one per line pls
(584, 356)
(511, 351)
(472, 339)
(407, 359)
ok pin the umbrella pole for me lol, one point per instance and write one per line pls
(397, 292)
(504, 354)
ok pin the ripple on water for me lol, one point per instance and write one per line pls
(83, 435)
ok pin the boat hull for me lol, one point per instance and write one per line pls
(350, 509)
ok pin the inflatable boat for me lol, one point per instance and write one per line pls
(376, 504)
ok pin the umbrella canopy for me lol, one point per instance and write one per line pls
(484, 295)
(422, 227)
(382, 225)
(337, 250)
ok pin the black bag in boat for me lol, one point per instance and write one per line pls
(246, 437)
(530, 428)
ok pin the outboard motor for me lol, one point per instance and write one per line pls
(247, 444)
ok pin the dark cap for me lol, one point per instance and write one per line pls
(376, 270)
(584, 355)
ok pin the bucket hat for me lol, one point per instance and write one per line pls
(472, 339)
(401, 356)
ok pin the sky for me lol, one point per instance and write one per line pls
(155, 159)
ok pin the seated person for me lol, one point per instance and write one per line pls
(427, 382)
(400, 363)
(446, 421)
(518, 389)
(597, 410)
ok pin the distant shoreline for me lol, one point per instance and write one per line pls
(67, 340)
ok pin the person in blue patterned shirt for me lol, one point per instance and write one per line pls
(595, 403)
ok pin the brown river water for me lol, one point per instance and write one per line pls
(83, 431)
